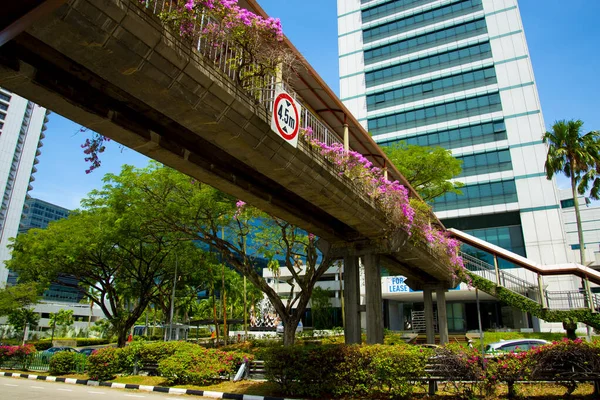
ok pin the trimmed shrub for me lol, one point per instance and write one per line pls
(66, 362)
(376, 371)
(104, 364)
(199, 366)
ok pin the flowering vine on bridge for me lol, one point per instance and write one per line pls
(410, 215)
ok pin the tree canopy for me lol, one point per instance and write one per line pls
(181, 206)
(429, 170)
(577, 156)
(120, 264)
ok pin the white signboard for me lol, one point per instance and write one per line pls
(395, 284)
(285, 120)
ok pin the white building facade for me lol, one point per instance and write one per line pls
(457, 74)
(22, 123)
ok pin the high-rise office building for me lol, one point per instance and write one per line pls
(22, 123)
(457, 74)
(39, 213)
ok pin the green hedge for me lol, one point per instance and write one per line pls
(340, 370)
(66, 362)
(179, 362)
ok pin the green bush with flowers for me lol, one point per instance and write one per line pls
(200, 366)
(376, 371)
(16, 356)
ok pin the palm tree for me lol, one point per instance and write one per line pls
(578, 157)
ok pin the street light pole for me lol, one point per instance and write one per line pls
(173, 300)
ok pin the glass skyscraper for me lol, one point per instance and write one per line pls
(457, 74)
(22, 123)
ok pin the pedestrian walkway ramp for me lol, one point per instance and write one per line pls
(527, 291)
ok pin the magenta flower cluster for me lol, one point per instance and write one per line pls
(227, 16)
(391, 197)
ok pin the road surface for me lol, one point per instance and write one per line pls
(27, 389)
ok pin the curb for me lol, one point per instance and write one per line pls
(159, 389)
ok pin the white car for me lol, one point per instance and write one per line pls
(299, 328)
(516, 345)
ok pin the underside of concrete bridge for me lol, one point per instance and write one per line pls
(112, 67)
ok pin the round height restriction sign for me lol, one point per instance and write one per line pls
(286, 117)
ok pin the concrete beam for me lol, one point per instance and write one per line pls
(374, 299)
(352, 329)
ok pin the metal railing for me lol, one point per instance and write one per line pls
(566, 300)
(223, 55)
(556, 300)
(506, 279)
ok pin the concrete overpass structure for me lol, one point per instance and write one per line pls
(113, 67)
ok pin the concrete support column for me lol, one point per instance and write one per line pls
(374, 300)
(440, 297)
(351, 300)
(428, 301)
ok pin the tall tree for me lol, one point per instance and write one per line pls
(19, 296)
(119, 264)
(200, 213)
(63, 318)
(429, 170)
(577, 156)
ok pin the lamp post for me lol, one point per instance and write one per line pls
(173, 300)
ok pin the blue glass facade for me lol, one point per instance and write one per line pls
(427, 64)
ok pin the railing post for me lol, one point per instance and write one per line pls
(497, 270)
(543, 300)
(346, 138)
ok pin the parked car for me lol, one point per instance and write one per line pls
(516, 345)
(47, 354)
(299, 328)
(88, 351)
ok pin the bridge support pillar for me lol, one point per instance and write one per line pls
(440, 296)
(374, 299)
(351, 300)
(428, 302)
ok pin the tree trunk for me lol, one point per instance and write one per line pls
(570, 327)
(215, 317)
(121, 336)
(578, 218)
(290, 323)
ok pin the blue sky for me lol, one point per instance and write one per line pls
(563, 41)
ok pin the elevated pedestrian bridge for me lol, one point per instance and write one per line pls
(114, 67)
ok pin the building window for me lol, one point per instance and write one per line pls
(418, 20)
(458, 137)
(453, 110)
(577, 246)
(478, 195)
(568, 203)
(432, 88)
(443, 36)
(486, 163)
(4, 97)
(389, 8)
(427, 64)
